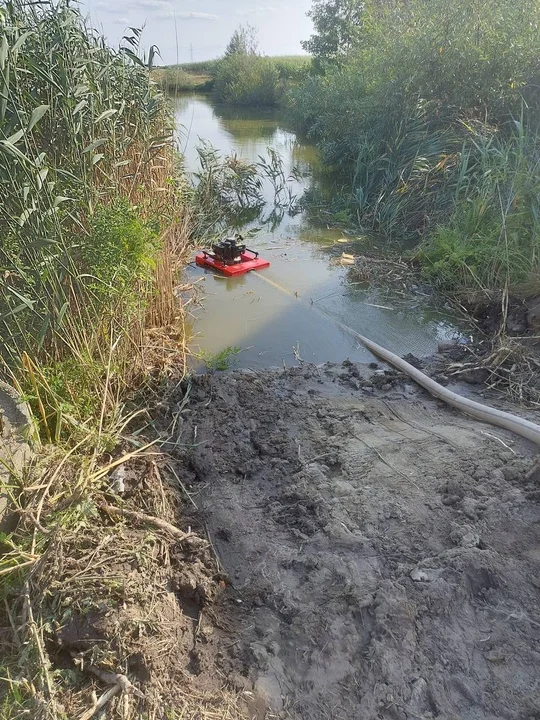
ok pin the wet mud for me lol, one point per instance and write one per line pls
(382, 552)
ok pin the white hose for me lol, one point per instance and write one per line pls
(486, 414)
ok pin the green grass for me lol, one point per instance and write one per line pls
(206, 67)
(221, 360)
(491, 238)
(291, 66)
(175, 79)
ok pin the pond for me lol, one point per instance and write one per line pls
(289, 310)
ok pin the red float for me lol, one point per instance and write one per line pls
(248, 261)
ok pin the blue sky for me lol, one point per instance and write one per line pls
(179, 27)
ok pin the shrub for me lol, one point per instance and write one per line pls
(119, 249)
(403, 122)
(247, 80)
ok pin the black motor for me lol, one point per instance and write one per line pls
(229, 252)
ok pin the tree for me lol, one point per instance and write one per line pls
(243, 41)
(338, 25)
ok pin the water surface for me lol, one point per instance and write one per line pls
(289, 310)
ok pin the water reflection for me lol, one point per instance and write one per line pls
(247, 124)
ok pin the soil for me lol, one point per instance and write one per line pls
(15, 431)
(380, 552)
(131, 598)
(354, 549)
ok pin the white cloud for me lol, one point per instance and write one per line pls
(207, 24)
(153, 5)
(195, 16)
(166, 9)
(256, 10)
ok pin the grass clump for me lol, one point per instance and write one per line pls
(221, 360)
(257, 81)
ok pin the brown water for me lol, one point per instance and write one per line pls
(288, 310)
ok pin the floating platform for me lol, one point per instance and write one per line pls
(249, 261)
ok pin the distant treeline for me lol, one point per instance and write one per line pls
(238, 79)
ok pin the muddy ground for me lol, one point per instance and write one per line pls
(381, 553)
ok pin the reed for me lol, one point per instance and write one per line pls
(92, 228)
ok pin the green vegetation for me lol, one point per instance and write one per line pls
(85, 160)
(245, 80)
(426, 115)
(242, 77)
(338, 29)
(258, 81)
(182, 78)
(94, 223)
(206, 67)
(243, 42)
(491, 237)
(221, 360)
(237, 79)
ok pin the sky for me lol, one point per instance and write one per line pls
(200, 29)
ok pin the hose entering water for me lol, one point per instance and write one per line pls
(484, 413)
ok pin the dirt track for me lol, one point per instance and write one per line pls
(384, 551)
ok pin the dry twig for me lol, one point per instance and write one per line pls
(155, 522)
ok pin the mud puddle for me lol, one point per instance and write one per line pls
(382, 552)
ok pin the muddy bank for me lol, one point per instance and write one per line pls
(382, 551)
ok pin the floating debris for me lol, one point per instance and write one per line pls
(347, 259)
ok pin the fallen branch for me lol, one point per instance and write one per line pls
(120, 684)
(100, 704)
(155, 522)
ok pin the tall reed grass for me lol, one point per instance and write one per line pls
(490, 239)
(89, 210)
(430, 132)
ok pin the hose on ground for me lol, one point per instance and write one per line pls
(486, 414)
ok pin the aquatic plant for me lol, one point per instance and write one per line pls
(221, 360)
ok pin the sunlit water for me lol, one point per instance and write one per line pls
(288, 310)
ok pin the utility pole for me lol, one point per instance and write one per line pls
(191, 51)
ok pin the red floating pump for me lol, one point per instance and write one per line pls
(230, 258)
